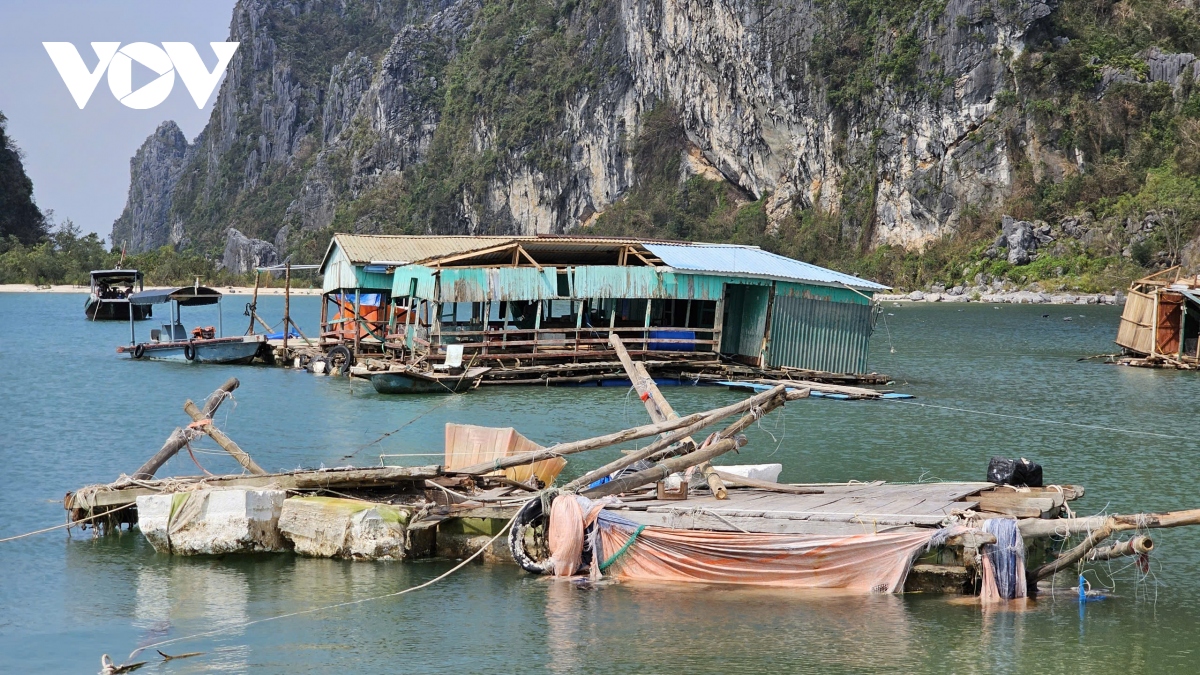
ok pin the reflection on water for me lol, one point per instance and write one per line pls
(63, 603)
(687, 627)
(179, 599)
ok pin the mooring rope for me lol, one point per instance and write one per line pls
(402, 426)
(347, 603)
(68, 524)
(1043, 421)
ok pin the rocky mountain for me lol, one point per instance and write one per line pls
(20, 217)
(810, 126)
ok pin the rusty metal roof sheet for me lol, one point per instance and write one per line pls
(750, 261)
(363, 249)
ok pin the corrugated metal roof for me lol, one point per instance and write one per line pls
(746, 260)
(362, 249)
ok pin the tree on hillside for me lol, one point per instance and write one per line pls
(19, 216)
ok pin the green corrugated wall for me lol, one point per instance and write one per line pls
(807, 332)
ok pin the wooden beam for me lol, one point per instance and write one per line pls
(222, 440)
(709, 418)
(121, 494)
(658, 407)
(178, 438)
(438, 262)
(528, 257)
(666, 468)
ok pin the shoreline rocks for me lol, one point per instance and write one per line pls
(1007, 297)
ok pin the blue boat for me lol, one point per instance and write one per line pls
(415, 382)
(203, 344)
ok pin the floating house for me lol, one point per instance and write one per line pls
(1161, 321)
(540, 300)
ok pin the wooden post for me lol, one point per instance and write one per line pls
(506, 308)
(287, 304)
(177, 439)
(646, 327)
(487, 323)
(537, 327)
(660, 410)
(357, 319)
(254, 302)
(435, 337)
(766, 340)
(408, 322)
(719, 320)
(578, 328)
(324, 319)
(1154, 324)
(222, 440)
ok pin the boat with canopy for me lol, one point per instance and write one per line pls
(109, 296)
(204, 344)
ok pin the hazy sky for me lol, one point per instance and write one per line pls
(79, 159)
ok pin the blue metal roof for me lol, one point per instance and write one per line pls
(750, 261)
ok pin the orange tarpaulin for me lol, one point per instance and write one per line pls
(866, 563)
(374, 316)
(467, 444)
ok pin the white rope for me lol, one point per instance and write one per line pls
(1043, 421)
(68, 524)
(360, 601)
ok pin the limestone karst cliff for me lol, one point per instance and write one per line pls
(896, 120)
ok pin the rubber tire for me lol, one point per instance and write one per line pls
(139, 351)
(516, 538)
(189, 352)
(346, 364)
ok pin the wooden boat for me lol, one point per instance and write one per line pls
(172, 342)
(109, 296)
(416, 382)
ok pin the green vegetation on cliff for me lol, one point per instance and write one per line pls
(20, 219)
(1093, 136)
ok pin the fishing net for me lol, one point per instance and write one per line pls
(865, 563)
(1003, 562)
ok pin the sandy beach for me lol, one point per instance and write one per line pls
(227, 290)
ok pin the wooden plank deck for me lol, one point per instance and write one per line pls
(840, 509)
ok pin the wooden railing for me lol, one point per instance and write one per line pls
(568, 341)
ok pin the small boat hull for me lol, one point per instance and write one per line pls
(220, 350)
(111, 309)
(412, 382)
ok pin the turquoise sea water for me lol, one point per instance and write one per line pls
(72, 412)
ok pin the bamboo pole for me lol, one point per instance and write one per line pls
(658, 448)
(222, 440)
(666, 468)
(659, 408)
(178, 439)
(709, 418)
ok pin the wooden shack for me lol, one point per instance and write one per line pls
(1161, 321)
(356, 298)
(556, 299)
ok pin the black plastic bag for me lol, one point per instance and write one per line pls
(1017, 472)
